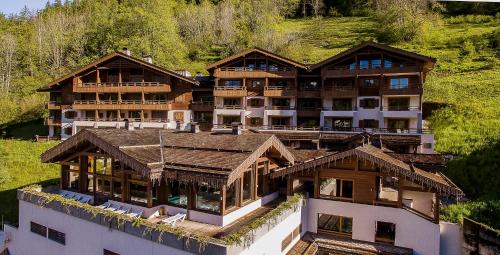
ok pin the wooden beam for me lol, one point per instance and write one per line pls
(436, 208)
(149, 194)
(223, 200)
(64, 177)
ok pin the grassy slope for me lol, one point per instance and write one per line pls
(20, 161)
(468, 85)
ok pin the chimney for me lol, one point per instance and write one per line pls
(126, 51)
(236, 128)
(148, 59)
(195, 127)
(129, 125)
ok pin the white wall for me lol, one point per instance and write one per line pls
(422, 201)
(270, 243)
(451, 238)
(412, 231)
(82, 237)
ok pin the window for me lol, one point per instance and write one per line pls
(177, 194)
(179, 116)
(70, 115)
(208, 198)
(281, 102)
(341, 123)
(38, 229)
(310, 85)
(57, 236)
(387, 63)
(255, 102)
(376, 63)
(256, 83)
(247, 180)
(232, 83)
(108, 252)
(399, 83)
(231, 196)
(364, 64)
(255, 121)
(336, 224)
(282, 84)
(399, 104)
(229, 120)
(368, 103)
(352, 66)
(335, 188)
(232, 101)
(289, 238)
(385, 232)
(427, 145)
(369, 83)
(342, 104)
(398, 124)
(368, 123)
(280, 121)
(138, 192)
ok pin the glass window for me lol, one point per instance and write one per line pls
(399, 104)
(177, 193)
(352, 66)
(232, 101)
(342, 104)
(368, 123)
(335, 188)
(74, 180)
(337, 224)
(369, 83)
(208, 198)
(368, 103)
(376, 63)
(38, 229)
(138, 193)
(385, 232)
(231, 196)
(364, 64)
(280, 121)
(398, 124)
(387, 63)
(282, 84)
(247, 189)
(342, 123)
(232, 83)
(57, 236)
(399, 83)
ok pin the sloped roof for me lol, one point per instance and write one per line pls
(218, 159)
(109, 57)
(387, 163)
(379, 46)
(255, 50)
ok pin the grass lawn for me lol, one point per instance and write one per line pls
(20, 165)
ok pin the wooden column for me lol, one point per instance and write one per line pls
(223, 200)
(124, 183)
(436, 208)
(400, 193)
(112, 183)
(253, 182)
(64, 183)
(162, 190)
(98, 78)
(316, 184)
(289, 185)
(149, 194)
(82, 185)
(94, 180)
(238, 192)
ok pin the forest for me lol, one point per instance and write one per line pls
(462, 91)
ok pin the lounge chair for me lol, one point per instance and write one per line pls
(112, 208)
(69, 195)
(105, 205)
(123, 210)
(85, 200)
(77, 197)
(173, 219)
(135, 213)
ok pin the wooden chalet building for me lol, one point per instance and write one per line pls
(212, 186)
(115, 88)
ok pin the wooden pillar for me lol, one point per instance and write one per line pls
(436, 208)
(94, 180)
(223, 199)
(112, 183)
(149, 194)
(238, 192)
(64, 183)
(316, 184)
(124, 183)
(253, 182)
(289, 186)
(82, 185)
(400, 194)
(98, 78)
(162, 190)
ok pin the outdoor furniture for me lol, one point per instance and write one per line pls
(105, 205)
(135, 213)
(123, 210)
(111, 208)
(173, 219)
(85, 200)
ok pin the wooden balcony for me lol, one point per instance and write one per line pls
(53, 105)
(346, 71)
(309, 93)
(52, 121)
(246, 72)
(279, 91)
(202, 106)
(223, 91)
(412, 89)
(129, 105)
(338, 92)
(125, 87)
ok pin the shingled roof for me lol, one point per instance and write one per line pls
(439, 182)
(219, 159)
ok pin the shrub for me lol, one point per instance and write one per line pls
(486, 212)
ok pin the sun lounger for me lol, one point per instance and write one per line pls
(122, 210)
(85, 200)
(77, 197)
(173, 219)
(112, 208)
(105, 205)
(135, 213)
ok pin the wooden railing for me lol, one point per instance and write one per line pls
(230, 87)
(230, 107)
(347, 108)
(255, 69)
(279, 107)
(401, 108)
(120, 84)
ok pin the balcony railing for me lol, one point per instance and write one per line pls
(230, 107)
(202, 105)
(349, 69)
(346, 108)
(230, 87)
(255, 69)
(52, 121)
(279, 107)
(122, 119)
(413, 88)
(379, 130)
(401, 108)
(120, 84)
